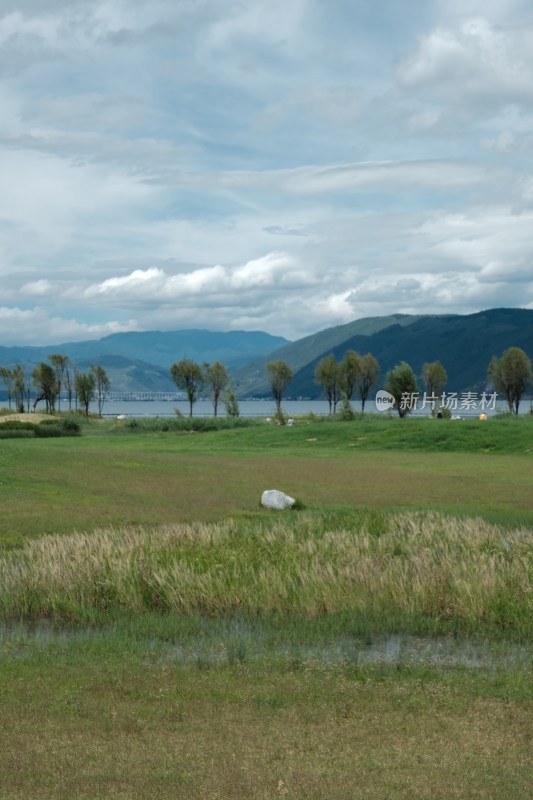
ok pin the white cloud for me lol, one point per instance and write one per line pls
(474, 65)
(43, 287)
(275, 271)
(277, 166)
(38, 326)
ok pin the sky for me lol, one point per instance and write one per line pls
(275, 165)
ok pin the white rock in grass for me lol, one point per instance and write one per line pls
(272, 498)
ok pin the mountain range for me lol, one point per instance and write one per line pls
(140, 361)
(464, 344)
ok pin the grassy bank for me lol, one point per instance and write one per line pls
(318, 435)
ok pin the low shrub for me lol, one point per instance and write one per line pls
(183, 424)
(47, 430)
(18, 425)
(16, 434)
(70, 425)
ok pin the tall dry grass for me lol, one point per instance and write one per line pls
(411, 564)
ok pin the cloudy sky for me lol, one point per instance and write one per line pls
(278, 165)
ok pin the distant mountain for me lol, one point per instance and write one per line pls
(131, 375)
(250, 381)
(158, 347)
(463, 343)
(140, 361)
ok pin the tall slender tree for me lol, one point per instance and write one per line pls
(19, 386)
(367, 377)
(188, 376)
(510, 375)
(327, 374)
(45, 382)
(349, 373)
(85, 388)
(101, 386)
(279, 374)
(435, 377)
(216, 379)
(59, 363)
(7, 378)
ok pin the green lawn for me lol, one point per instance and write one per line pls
(103, 478)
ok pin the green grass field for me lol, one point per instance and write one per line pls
(164, 636)
(111, 476)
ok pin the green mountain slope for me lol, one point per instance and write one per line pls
(463, 343)
(250, 380)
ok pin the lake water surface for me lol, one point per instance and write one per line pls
(251, 408)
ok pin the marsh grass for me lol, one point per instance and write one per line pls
(410, 570)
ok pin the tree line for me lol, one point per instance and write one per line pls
(355, 374)
(192, 378)
(510, 374)
(46, 382)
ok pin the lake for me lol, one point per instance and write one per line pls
(204, 408)
(254, 408)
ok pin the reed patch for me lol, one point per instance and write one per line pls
(463, 574)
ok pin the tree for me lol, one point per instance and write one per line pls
(401, 384)
(349, 373)
(85, 388)
(279, 374)
(435, 377)
(231, 404)
(216, 378)
(101, 385)
(22, 387)
(188, 376)
(70, 383)
(45, 382)
(28, 383)
(367, 377)
(59, 363)
(328, 376)
(19, 387)
(510, 375)
(7, 377)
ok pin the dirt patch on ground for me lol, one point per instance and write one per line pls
(35, 417)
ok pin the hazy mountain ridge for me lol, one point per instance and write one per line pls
(140, 361)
